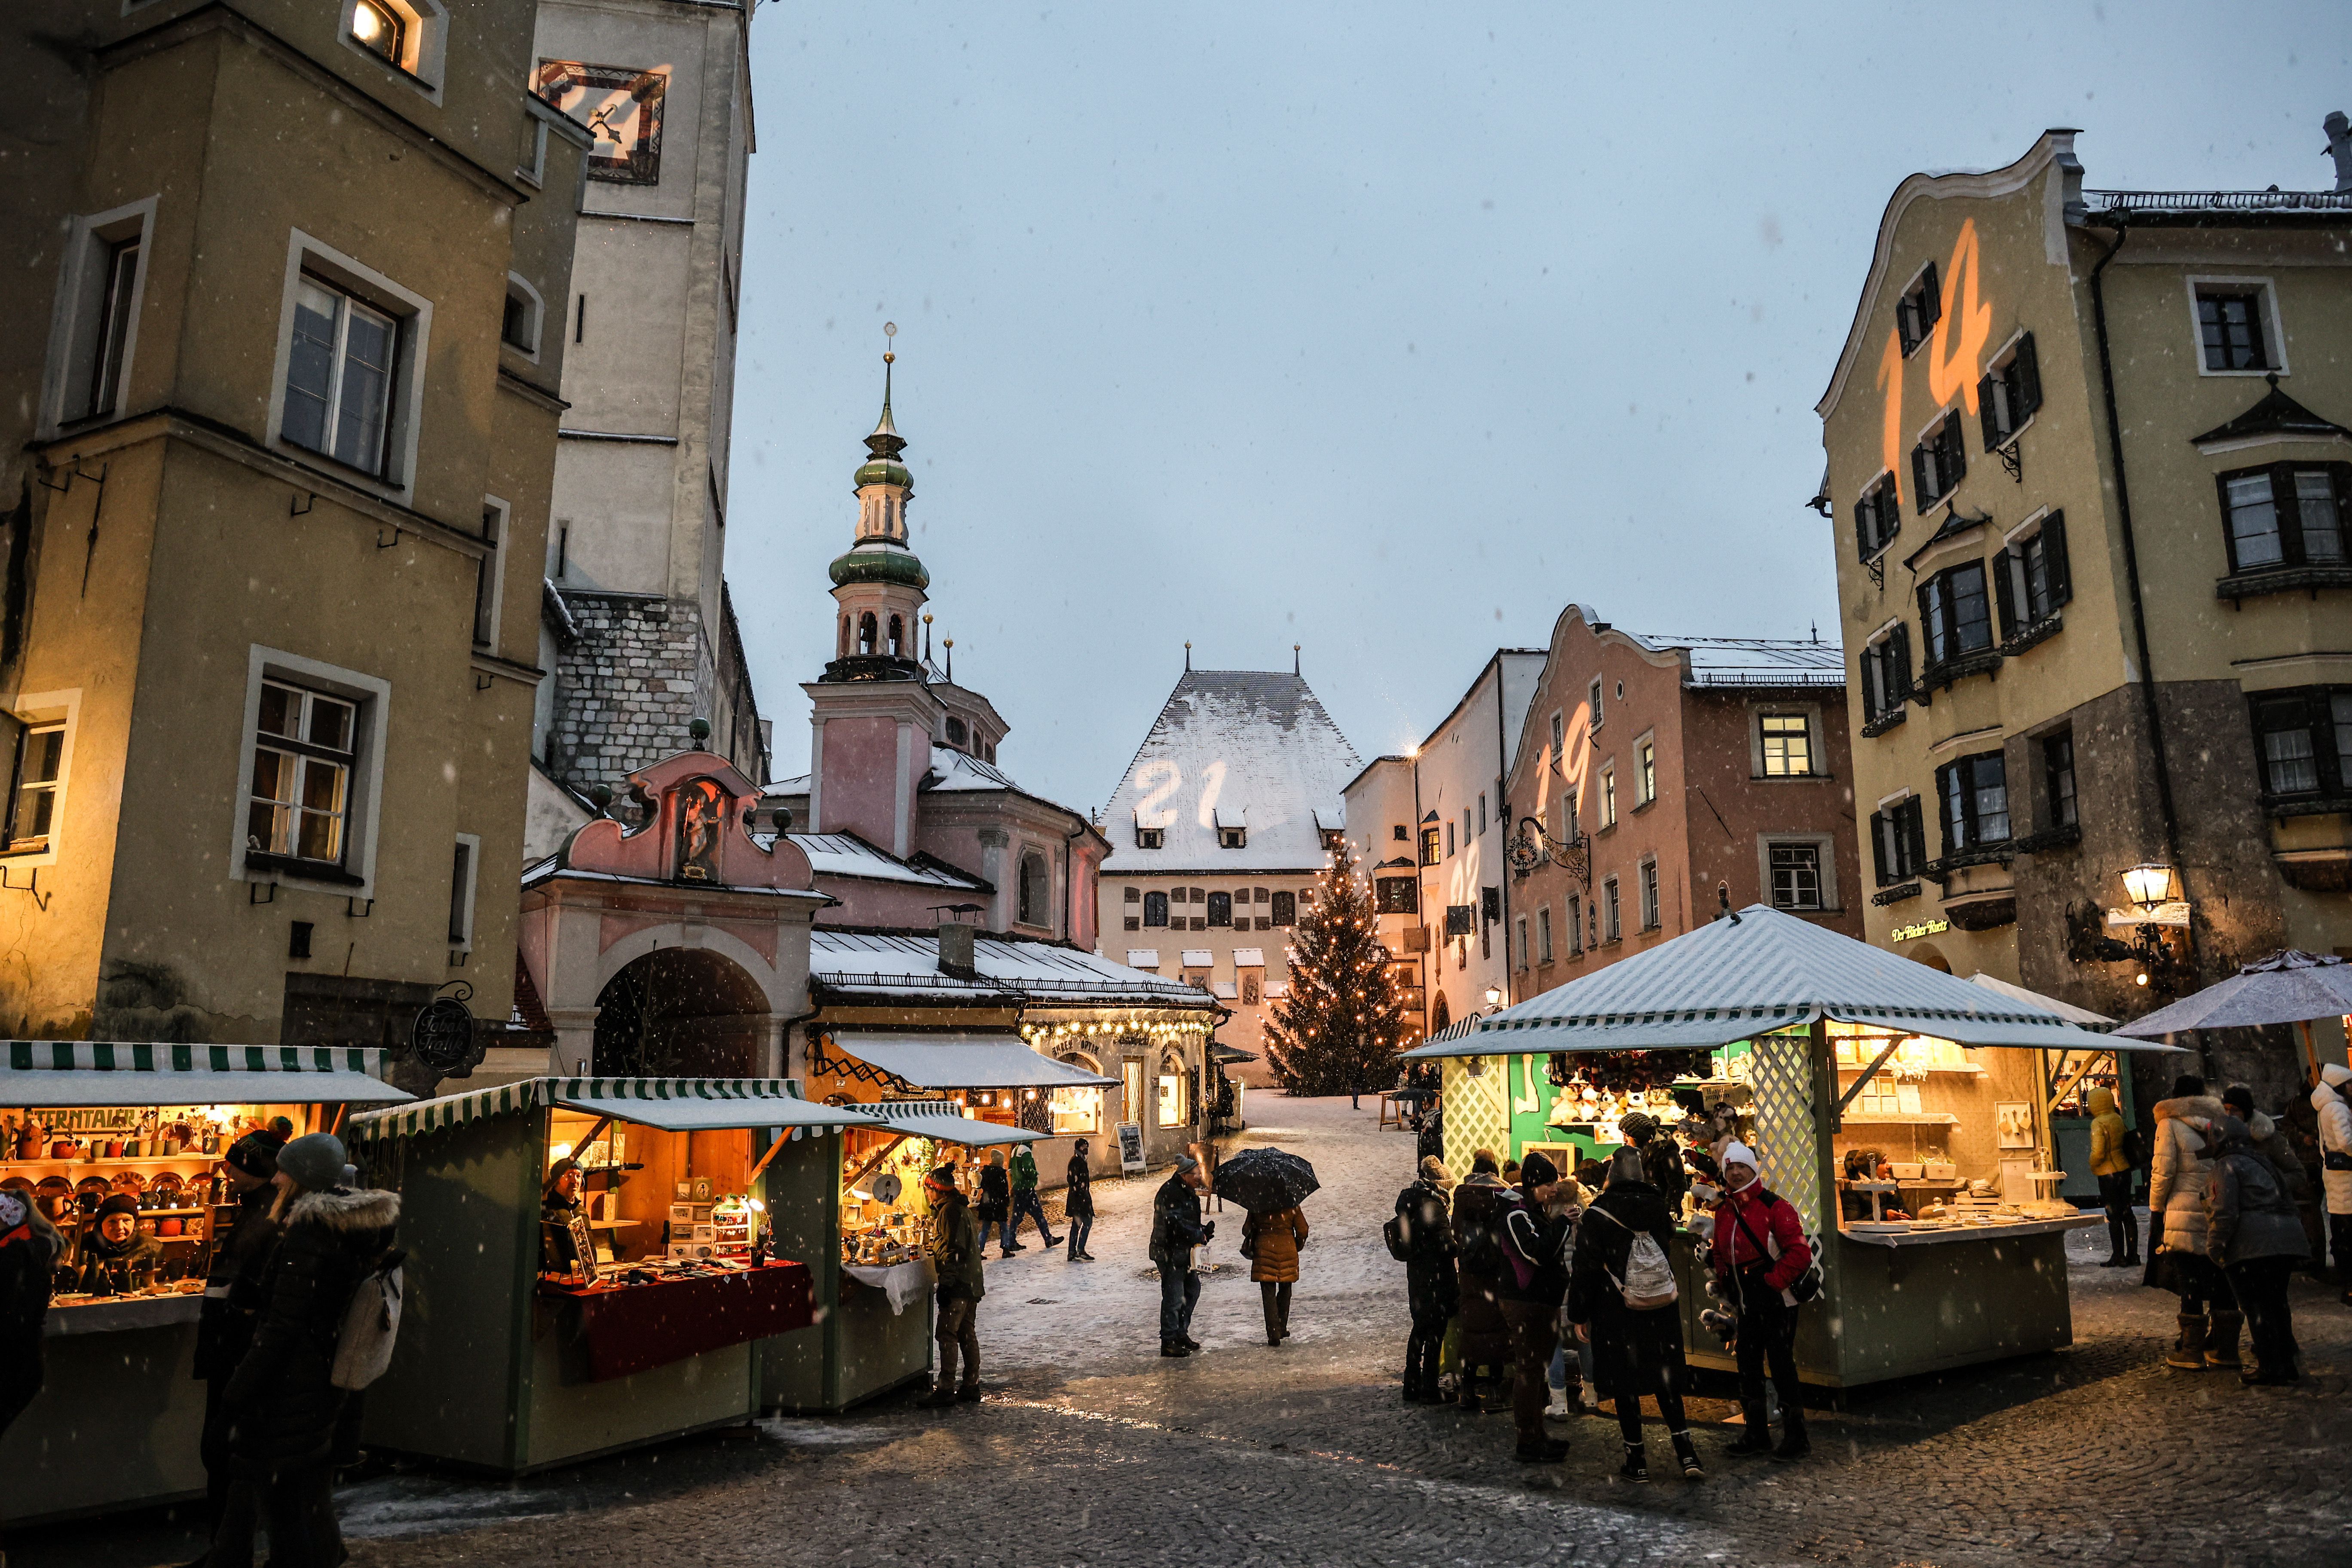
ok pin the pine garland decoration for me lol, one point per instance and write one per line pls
(1339, 1028)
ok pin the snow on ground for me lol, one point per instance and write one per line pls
(1043, 1311)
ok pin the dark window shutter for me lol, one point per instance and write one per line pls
(1916, 836)
(1862, 527)
(1929, 595)
(2025, 383)
(2005, 592)
(1919, 478)
(1953, 457)
(1992, 431)
(1899, 649)
(1878, 845)
(1931, 300)
(2053, 556)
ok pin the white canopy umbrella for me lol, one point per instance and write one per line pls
(2288, 988)
(1755, 973)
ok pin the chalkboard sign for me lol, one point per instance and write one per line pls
(1130, 1147)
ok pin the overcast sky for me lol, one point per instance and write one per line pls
(1386, 330)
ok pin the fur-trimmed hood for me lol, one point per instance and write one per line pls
(2190, 1105)
(347, 1209)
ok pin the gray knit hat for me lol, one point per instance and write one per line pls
(313, 1162)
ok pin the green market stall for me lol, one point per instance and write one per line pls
(1828, 1047)
(117, 1422)
(511, 1357)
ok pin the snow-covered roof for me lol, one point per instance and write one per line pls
(897, 963)
(954, 770)
(2147, 203)
(1199, 958)
(550, 866)
(1755, 661)
(846, 855)
(1143, 958)
(797, 785)
(1248, 748)
(1249, 958)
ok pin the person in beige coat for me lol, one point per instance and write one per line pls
(1274, 1240)
(2177, 1260)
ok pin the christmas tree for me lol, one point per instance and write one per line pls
(1339, 1028)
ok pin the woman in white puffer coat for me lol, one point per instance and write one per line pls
(2335, 1180)
(2175, 1212)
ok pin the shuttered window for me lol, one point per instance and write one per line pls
(2009, 393)
(1876, 517)
(1938, 462)
(1917, 313)
(1886, 673)
(1898, 841)
(2287, 515)
(1973, 796)
(2032, 578)
(1954, 614)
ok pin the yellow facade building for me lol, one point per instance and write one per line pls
(2088, 466)
(281, 430)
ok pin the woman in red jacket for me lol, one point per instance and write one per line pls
(1759, 1252)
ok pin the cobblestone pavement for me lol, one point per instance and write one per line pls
(1091, 1450)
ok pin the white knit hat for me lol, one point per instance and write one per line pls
(1737, 1154)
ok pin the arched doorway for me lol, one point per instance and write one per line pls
(1440, 1016)
(1928, 953)
(680, 1012)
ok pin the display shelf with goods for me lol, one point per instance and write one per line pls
(1944, 1233)
(118, 1419)
(545, 1326)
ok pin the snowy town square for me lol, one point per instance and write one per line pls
(1205, 786)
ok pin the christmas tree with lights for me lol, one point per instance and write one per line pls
(1339, 1028)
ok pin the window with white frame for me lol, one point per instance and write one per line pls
(40, 769)
(1611, 927)
(412, 36)
(1877, 517)
(310, 771)
(464, 871)
(1592, 697)
(1646, 771)
(518, 323)
(1917, 311)
(2032, 575)
(1543, 935)
(1558, 736)
(1886, 672)
(1524, 958)
(489, 572)
(1938, 462)
(339, 377)
(1649, 883)
(2009, 393)
(305, 745)
(1796, 876)
(100, 283)
(1609, 795)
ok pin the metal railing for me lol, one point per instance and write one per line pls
(2219, 201)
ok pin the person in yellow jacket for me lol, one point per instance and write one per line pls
(2111, 1162)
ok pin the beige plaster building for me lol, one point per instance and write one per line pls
(2087, 464)
(638, 630)
(278, 493)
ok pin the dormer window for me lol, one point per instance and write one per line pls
(1151, 838)
(1333, 838)
(1233, 837)
(957, 732)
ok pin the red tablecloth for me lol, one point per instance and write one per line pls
(626, 1329)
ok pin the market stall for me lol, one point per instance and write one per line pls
(1907, 1115)
(939, 1097)
(549, 1318)
(117, 1422)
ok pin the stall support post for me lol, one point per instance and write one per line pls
(1826, 1123)
(538, 1120)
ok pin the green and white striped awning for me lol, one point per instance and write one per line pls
(677, 1104)
(943, 1121)
(126, 1072)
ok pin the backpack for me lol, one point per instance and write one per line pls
(1395, 1234)
(371, 1324)
(1482, 1252)
(1649, 1282)
(2134, 1148)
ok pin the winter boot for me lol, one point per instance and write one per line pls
(1560, 1409)
(1174, 1348)
(1636, 1468)
(1755, 1435)
(2188, 1352)
(938, 1398)
(2221, 1342)
(1686, 1455)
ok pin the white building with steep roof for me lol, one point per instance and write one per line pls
(1218, 831)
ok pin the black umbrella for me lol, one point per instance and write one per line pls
(1265, 1181)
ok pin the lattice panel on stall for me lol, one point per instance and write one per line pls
(1477, 1111)
(1785, 1133)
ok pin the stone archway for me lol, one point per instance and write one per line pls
(680, 1012)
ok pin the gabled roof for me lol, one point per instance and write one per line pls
(2275, 415)
(1236, 744)
(1766, 970)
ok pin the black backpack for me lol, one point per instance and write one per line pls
(2134, 1148)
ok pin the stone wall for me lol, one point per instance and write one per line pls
(637, 672)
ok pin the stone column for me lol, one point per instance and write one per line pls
(576, 1040)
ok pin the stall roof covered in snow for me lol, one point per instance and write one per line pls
(1245, 748)
(1755, 661)
(879, 964)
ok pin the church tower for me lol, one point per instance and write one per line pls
(879, 584)
(873, 714)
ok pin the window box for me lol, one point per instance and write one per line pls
(1903, 894)
(2049, 838)
(296, 865)
(1884, 722)
(2293, 580)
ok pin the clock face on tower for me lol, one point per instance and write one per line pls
(621, 108)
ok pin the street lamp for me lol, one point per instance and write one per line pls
(2149, 885)
(1494, 998)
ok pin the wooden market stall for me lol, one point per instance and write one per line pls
(511, 1356)
(117, 1422)
(935, 1098)
(1825, 1048)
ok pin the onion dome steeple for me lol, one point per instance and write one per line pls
(879, 581)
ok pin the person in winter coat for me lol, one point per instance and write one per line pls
(2270, 1140)
(2177, 1260)
(1533, 1283)
(283, 1406)
(2111, 1163)
(1176, 1229)
(995, 1205)
(1025, 1201)
(2252, 1231)
(2335, 1110)
(1641, 1349)
(1433, 1291)
(1662, 1157)
(953, 1240)
(1078, 1203)
(1273, 1243)
(30, 1246)
(1758, 1253)
(1485, 1344)
(232, 1297)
